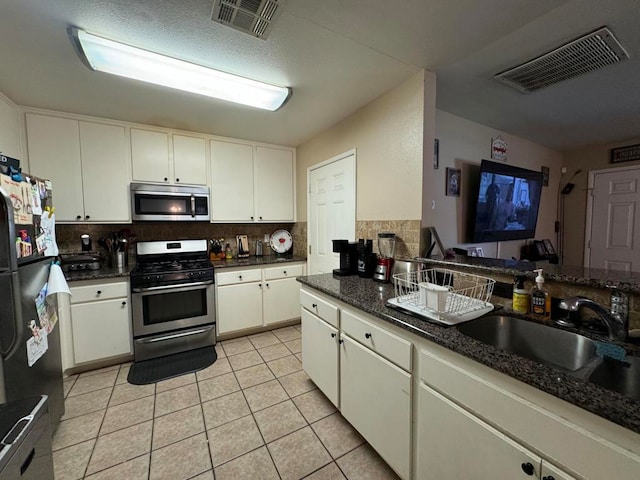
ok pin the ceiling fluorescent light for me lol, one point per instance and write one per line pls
(131, 62)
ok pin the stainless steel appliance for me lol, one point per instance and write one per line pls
(172, 297)
(21, 281)
(75, 263)
(386, 248)
(25, 448)
(169, 202)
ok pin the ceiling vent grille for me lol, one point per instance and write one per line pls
(255, 17)
(582, 55)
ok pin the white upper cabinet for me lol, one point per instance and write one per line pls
(87, 164)
(251, 183)
(232, 197)
(150, 156)
(189, 160)
(152, 162)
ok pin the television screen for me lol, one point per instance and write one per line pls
(507, 203)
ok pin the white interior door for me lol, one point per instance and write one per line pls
(331, 209)
(613, 220)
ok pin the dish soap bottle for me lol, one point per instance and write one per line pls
(540, 299)
(520, 296)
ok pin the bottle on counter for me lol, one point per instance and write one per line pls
(520, 296)
(228, 251)
(540, 299)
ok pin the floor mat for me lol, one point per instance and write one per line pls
(163, 368)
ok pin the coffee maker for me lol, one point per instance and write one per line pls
(367, 260)
(348, 257)
(386, 248)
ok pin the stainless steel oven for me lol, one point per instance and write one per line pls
(169, 202)
(173, 298)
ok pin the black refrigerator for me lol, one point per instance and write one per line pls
(21, 282)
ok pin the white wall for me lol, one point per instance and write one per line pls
(388, 137)
(10, 138)
(463, 144)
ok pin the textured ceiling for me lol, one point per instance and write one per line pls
(337, 55)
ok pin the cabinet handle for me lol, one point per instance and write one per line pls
(260, 218)
(78, 217)
(341, 341)
(166, 179)
(87, 217)
(240, 277)
(367, 335)
(285, 272)
(528, 468)
(124, 303)
(99, 292)
(314, 305)
(260, 285)
(333, 335)
(177, 180)
(267, 285)
(549, 477)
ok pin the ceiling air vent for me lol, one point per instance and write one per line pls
(582, 55)
(255, 17)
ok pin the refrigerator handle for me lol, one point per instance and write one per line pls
(13, 324)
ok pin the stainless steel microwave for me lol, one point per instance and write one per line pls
(169, 202)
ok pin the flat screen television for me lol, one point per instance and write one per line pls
(507, 203)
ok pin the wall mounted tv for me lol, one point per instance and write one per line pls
(507, 203)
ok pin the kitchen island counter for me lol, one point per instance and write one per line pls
(371, 297)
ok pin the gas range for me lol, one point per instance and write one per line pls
(165, 263)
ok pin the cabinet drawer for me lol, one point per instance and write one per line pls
(89, 291)
(238, 276)
(390, 346)
(325, 310)
(284, 271)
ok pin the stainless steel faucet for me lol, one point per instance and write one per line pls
(617, 326)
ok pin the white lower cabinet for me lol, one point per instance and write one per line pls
(456, 445)
(375, 397)
(100, 320)
(320, 354)
(257, 297)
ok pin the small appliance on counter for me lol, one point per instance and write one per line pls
(366, 258)
(74, 263)
(348, 257)
(243, 246)
(85, 242)
(386, 247)
(259, 251)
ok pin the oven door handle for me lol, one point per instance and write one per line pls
(171, 287)
(193, 205)
(175, 335)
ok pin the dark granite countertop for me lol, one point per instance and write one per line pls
(108, 272)
(576, 275)
(257, 261)
(371, 297)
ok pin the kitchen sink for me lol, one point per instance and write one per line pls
(559, 348)
(620, 376)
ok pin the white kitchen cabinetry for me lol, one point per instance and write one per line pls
(254, 297)
(100, 320)
(455, 444)
(87, 164)
(189, 160)
(320, 336)
(251, 183)
(150, 156)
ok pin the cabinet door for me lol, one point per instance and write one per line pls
(550, 472)
(281, 300)
(189, 160)
(54, 153)
(375, 397)
(454, 444)
(105, 173)
(101, 330)
(274, 184)
(232, 197)
(239, 307)
(150, 156)
(320, 354)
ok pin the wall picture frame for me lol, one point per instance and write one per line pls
(453, 177)
(629, 153)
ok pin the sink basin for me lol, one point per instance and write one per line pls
(551, 346)
(622, 377)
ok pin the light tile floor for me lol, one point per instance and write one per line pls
(253, 414)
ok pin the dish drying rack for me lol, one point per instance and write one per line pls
(445, 296)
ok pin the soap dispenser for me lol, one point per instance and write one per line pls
(540, 299)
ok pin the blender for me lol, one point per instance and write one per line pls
(386, 247)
